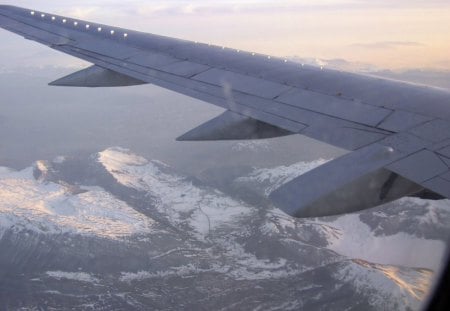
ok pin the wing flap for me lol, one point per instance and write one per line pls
(350, 183)
(427, 168)
(349, 137)
(420, 166)
(439, 185)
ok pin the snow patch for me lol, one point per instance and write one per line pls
(357, 240)
(239, 265)
(59, 160)
(276, 220)
(182, 271)
(42, 166)
(48, 208)
(273, 178)
(391, 284)
(253, 145)
(5, 171)
(72, 276)
(248, 267)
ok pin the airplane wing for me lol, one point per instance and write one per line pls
(398, 133)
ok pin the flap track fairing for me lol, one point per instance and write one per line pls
(96, 76)
(233, 126)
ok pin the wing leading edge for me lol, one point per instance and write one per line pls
(399, 133)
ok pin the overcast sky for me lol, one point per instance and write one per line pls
(389, 34)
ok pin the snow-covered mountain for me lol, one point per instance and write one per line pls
(202, 210)
(116, 231)
(34, 205)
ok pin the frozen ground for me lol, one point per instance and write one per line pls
(137, 234)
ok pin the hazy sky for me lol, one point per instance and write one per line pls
(392, 34)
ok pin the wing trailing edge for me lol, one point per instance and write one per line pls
(96, 76)
(233, 126)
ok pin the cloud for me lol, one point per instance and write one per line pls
(81, 12)
(87, 9)
(388, 44)
(336, 63)
(379, 32)
(183, 7)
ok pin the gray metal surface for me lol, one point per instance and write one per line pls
(420, 166)
(439, 185)
(434, 131)
(152, 60)
(344, 136)
(185, 68)
(234, 81)
(400, 121)
(356, 112)
(336, 107)
(446, 176)
(446, 160)
(441, 145)
(405, 142)
(445, 151)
